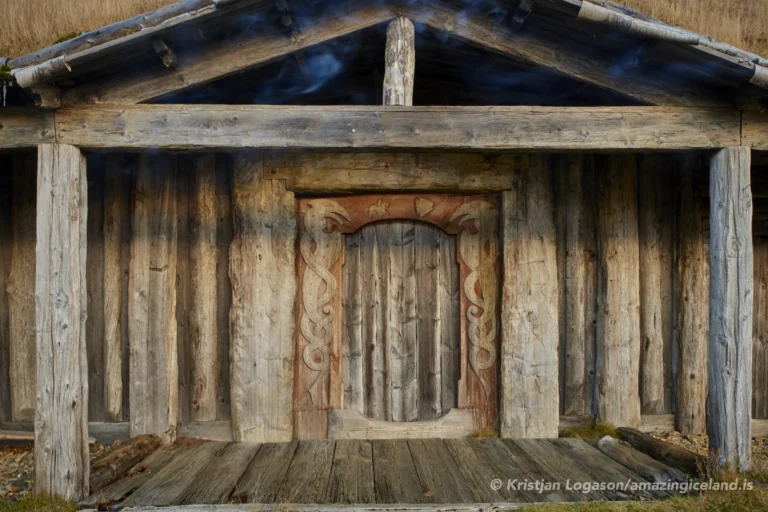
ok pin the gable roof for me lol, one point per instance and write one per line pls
(178, 48)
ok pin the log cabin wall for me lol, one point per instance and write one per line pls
(642, 220)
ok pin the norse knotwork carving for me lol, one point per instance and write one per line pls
(479, 248)
(321, 245)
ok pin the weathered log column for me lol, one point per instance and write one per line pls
(262, 322)
(618, 295)
(61, 423)
(729, 407)
(530, 399)
(400, 58)
(152, 300)
(202, 318)
(692, 312)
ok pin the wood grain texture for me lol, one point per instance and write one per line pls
(25, 128)
(94, 328)
(117, 231)
(62, 462)
(21, 291)
(394, 474)
(393, 128)
(263, 477)
(262, 322)
(224, 235)
(6, 251)
(730, 308)
(642, 464)
(760, 333)
(400, 62)
(219, 479)
(112, 466)
(530, 394)
(692, 310)
(351, 479)
(618, 315)
(152, 300)
(202, 262)
(346, 173)
(307, 478)
(755, 130)
(438, 474)
(351, 424)
(651, 270)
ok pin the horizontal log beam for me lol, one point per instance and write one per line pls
(25, 128)
(652, 423)
(755, 130)
(392, 128)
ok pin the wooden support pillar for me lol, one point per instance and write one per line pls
(117, 226)
(651, 303)
(262, 321)
(202, 262)
(729, 405)
(400, 58)
(530, 401)
(152, 300)
(62, 463)
(692, 311)
(21, 295)
(618, 295)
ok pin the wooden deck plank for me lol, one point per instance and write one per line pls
(394, 474)
(474, 471)
(136, 477)
(168, 484)
(506, 469)
(558, 468)
(265, 474)
(438, 474)
(217, 482)
(307, 478)
(352, 473)
(599, 466)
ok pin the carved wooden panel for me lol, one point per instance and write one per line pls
(322, 224)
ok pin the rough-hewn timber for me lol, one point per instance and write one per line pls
(400, 59)
(729, 405)
(361, 127)
(25, 128)
(61, 419)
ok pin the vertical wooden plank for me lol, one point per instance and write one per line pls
(651, 323)
(427, 243)
(262, 322)
(397, 349)
(618, 316)
(560, 183)
(693, 311)
(530, 395)
(62, 465)
(202, 263)
(450, 336)
(760, 332)
(152, 307)
(21, 291)
(224, 235)
(6, 250)
(352, 344)
(409, 318)
(94, 328)
(730, 308)
(667, 196)
(400, 58)
(589, 236)
(117, 184)
(377, 318)
(184, 287)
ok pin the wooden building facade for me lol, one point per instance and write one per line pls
(206, 228)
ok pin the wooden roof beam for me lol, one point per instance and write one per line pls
(179, 127)
(225, 59)
(533, 47)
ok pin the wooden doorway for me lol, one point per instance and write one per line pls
(323, 224)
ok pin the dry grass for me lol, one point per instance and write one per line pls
(594, 432)
(27, 25)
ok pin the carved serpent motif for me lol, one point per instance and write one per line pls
(321, 250)
(480, 251)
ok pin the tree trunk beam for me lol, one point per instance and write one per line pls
(400, 58)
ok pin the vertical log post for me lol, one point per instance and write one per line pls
(400, 58)
(262, 322)
(692, 312)
(62, 465)
(202, 262)
(651, 333)
(152, 300)
(618, 295)
(530, 403)
(729, 406)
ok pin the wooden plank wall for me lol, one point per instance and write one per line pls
(400, 362)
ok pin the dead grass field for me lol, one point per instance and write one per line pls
(28, 25)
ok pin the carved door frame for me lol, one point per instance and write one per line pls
(322, 224)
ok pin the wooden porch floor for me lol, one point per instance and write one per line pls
(450, 471)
